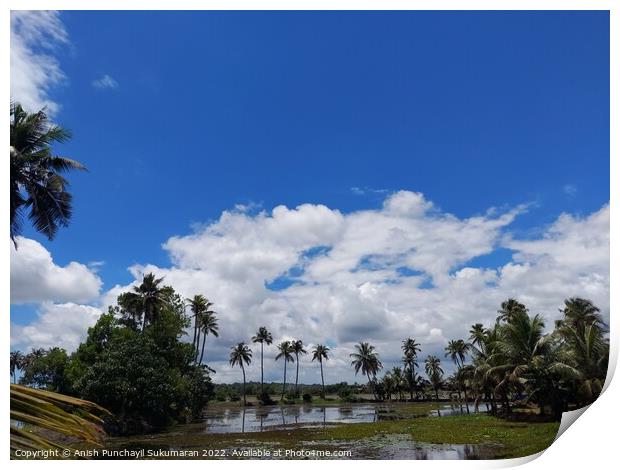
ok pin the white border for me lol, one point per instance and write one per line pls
(590, 444)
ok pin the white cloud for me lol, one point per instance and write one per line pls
(105, 82)
(34, 70)
(36, 278)
(63, 325)
(375, 275)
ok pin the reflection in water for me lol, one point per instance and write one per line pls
(260, 418)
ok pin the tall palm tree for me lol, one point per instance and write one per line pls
(509, 309)
(477, 336)
(298, 348)
(197, 305)
(398, 380)
(366, 360)
(240, 355)
(320, 353)
(17, 363)
(410, 353)
(208, 326)
(582, 332)
(263, 336)
(148, 298)
(580, 313)
(36, 182)
(457, 350)
(286, 352)
(432, 366)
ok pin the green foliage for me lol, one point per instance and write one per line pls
(36, 183)
(47, 370)
(142, 371)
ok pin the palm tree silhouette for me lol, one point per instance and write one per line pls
(298, 348)
(320, 353)
(239, 355)
(197, 305)
(208, 325)
(286, 352)
(410, 353)
(457, 350)
(263, 336)
(367, 360)
(36, 182)
(147, 299)
(432, 366)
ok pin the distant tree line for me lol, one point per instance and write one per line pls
(135, 364)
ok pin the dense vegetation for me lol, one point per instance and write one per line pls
(133, 362)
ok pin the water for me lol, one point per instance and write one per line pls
(221, 427)
(264, 418)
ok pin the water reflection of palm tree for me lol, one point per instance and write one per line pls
(261, 414)
(243, 421)
(282, 411)
(324, 416)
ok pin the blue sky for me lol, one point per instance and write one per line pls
(205, 110)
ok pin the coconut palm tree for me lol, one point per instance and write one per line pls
(36, 181)
(432, 366)
(197, 305)
(509, 309)
(457, 350)
(366, 360)
(477, 336)
(410, 353)
(320, 353)
(17, 363)
(263, 336)
(286, 352)
(524, 355)
(148, 298)
(240, 355)
(580, 313)
(582, 332)
(208, 326)
(298, 348)
(398, 379)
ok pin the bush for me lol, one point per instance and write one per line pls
(220, 394)
(234, 396)
(346, 395)
(307, 398)
(265, 399)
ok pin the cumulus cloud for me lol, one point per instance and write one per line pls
(404, 269)
(64, 325)
(36, 278)
(105, 82)
(35, 35)
(377, 275)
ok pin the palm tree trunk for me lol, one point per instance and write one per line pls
(197, 348)
(296, 374)
(371, 388)
(284, 382)
(195, 329)
(322, 380)
(242, 370)
(262, 392)
(204, 341)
